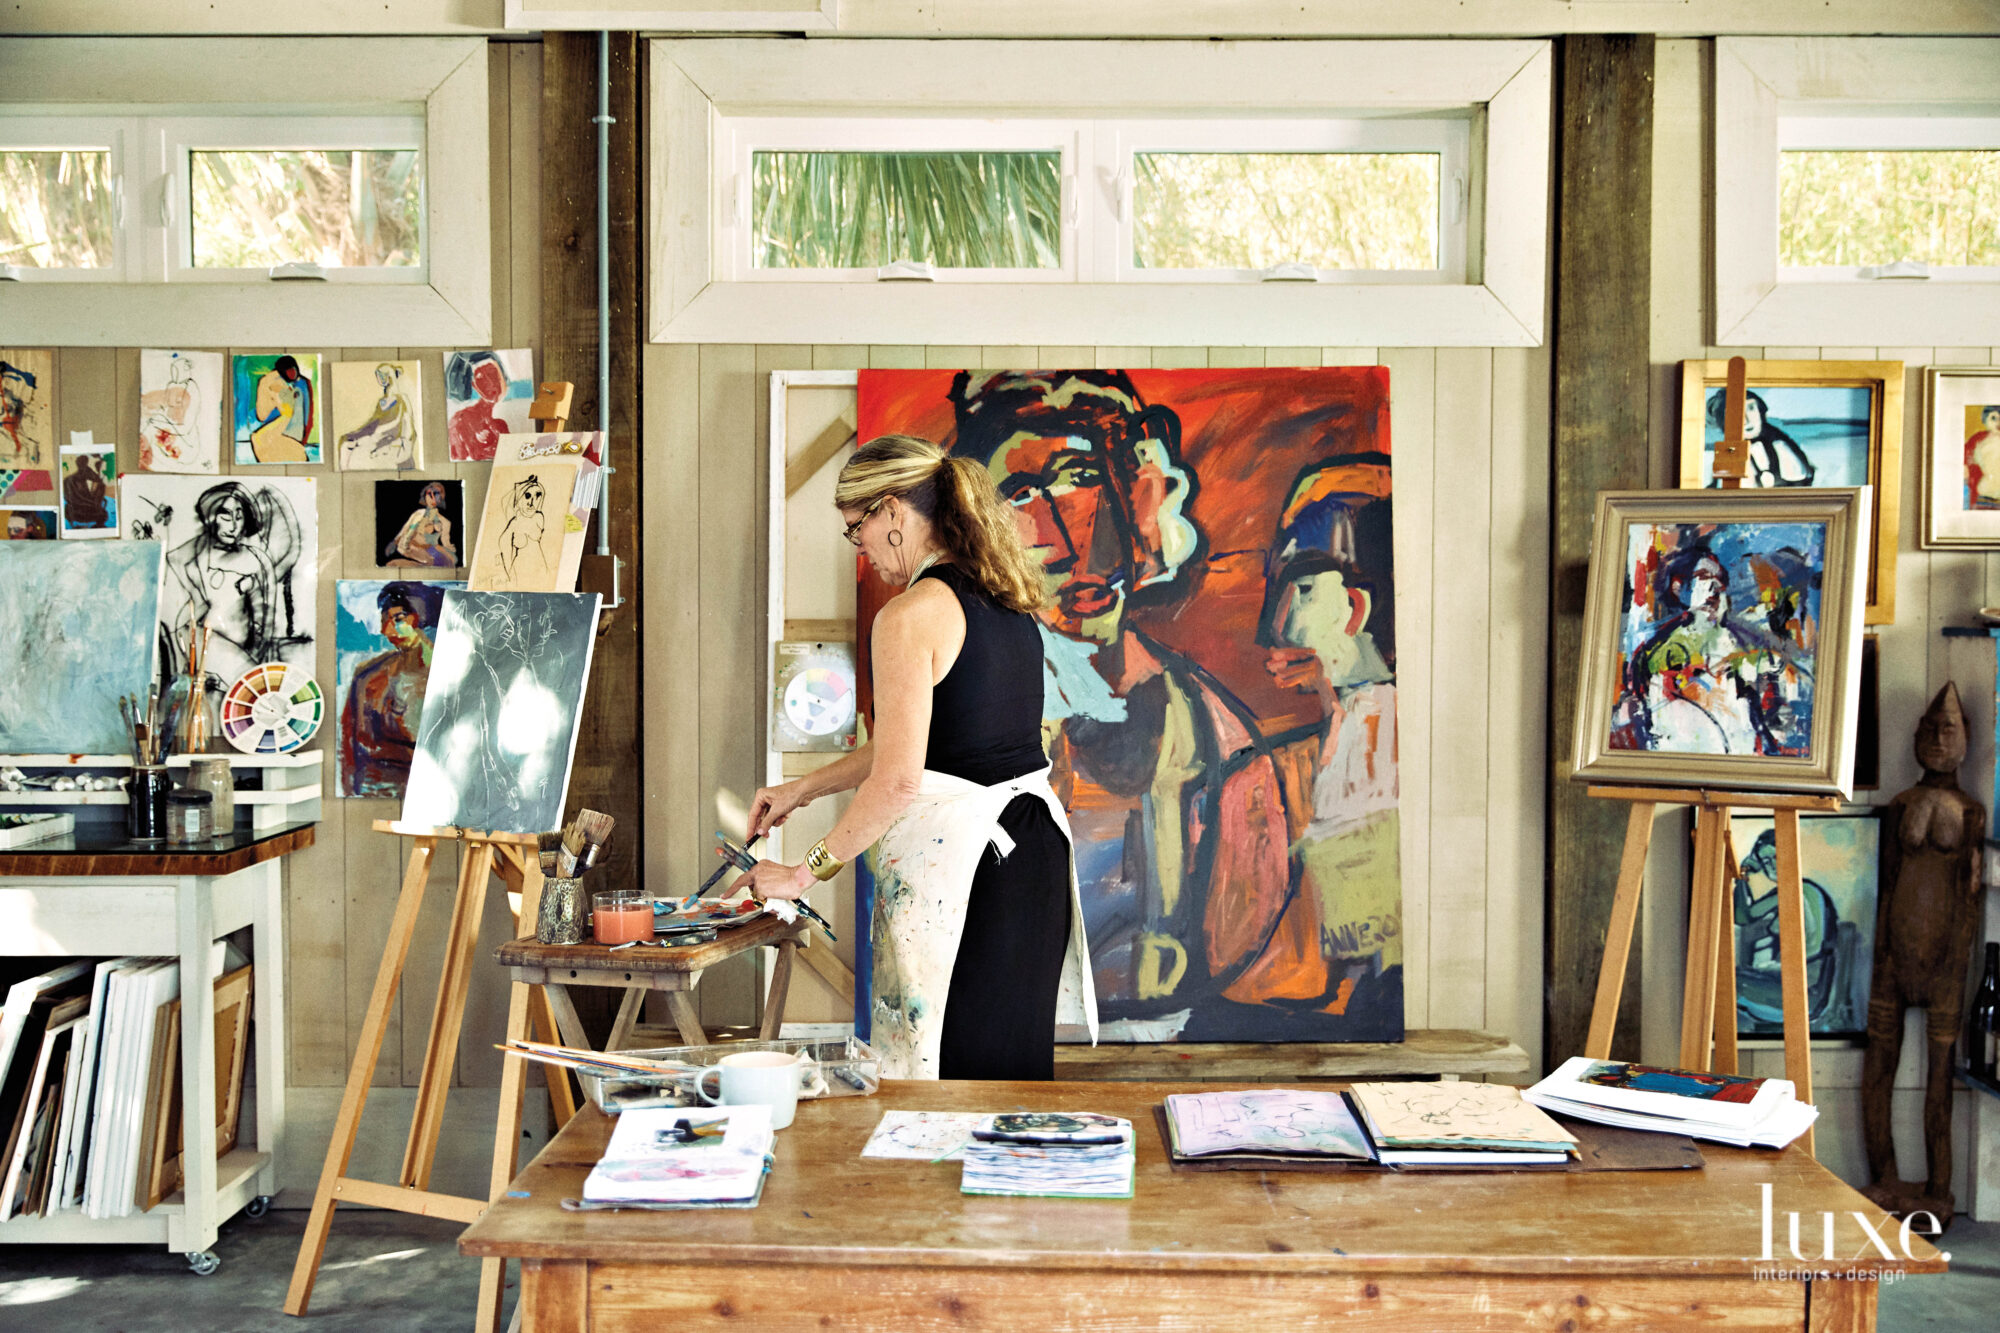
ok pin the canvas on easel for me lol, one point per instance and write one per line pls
(527, 529)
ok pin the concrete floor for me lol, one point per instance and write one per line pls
(387, 1273)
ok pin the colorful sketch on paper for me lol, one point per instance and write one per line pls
(1839, 861)
(76, 634)
(242, 555)
(180, 411)
(1716, 650)
(27, 415)
(1219, 677)
(27, 524)
(487, 395)
(524, 528)
(501, 710)
(383, 637)
(922, 1136)
(1982, 456)
(89, 504)
(378, 413)
(419, 524)
(1732, 1088)
(1799, 434)
(276, 397)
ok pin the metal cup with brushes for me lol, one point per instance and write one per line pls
(565, 858)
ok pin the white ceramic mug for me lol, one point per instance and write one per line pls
(757, 1078)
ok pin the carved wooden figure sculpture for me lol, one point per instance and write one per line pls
(1924, 923)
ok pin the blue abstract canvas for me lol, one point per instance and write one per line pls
(1839, 865)
(1799, 434)
(76, 633)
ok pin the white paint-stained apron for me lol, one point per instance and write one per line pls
(923, 869)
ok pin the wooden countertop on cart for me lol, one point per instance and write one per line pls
(590, 956)
(82, 854)
(824, 1204)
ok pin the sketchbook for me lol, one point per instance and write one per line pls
(675, 1155)
(1263, 1123)
(1046, 1154)
(1443, 1124)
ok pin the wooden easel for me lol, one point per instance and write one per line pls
(1708, 1002)
(512, 857)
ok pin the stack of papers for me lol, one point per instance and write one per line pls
(671, 1157)
(1459, 1124)
(1264, 1124)
(1052, 1154)
(1724, 1108)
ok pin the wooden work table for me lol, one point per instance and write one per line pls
(839, 1242)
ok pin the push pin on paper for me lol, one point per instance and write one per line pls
(551, 406)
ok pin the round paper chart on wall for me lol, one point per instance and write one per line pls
(272, 709)
(819, 699)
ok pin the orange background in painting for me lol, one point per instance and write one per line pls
(1246, 433)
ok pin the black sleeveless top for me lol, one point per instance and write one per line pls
(986, 714)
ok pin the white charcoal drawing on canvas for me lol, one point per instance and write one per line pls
(501, 711)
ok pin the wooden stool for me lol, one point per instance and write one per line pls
(642, 968)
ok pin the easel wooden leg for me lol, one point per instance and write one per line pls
(506, 1154)
(1618, 937)
(567, 1021)
(441, 1049)
(627, 1019)
(681, 1005)
(781, 984)
(1792, 959)
(1704, 915)
(562, 1100)
(1725, 961)
(359, 1075)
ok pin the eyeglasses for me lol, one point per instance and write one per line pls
(852, 530)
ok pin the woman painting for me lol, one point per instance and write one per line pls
(425, 539)
(978, 932)
(522, 562)
(1982, 462)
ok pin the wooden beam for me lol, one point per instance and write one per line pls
(608, 751)
(1603, 278)
(801, 468)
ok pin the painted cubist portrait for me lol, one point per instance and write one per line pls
(1718, 640)
(1840, 856)
(1220, 677)
(383, 640)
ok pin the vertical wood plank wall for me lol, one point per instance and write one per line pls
(1933, 589)
(1470, 430)
(339, 894)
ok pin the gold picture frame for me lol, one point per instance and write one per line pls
(1956, 399)
(1737, 664)
(1838, 442)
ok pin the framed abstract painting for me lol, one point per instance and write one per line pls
(1722, 640)
(1809, 423)
(1839, 864)
(1961, 487)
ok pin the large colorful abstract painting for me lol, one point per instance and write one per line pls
(1220, 677)
(383, 638)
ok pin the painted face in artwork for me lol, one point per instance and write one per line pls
(433, 497)
(17, 527)
(14, 394)
(1753, 416)
(1990, 419)
(528, 497)
(399, 626)
(228, 525)
(488, 381)
(1064, 507)
(1708, 590)
(1321, 613)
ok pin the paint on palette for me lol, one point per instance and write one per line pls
(276, 396)
(419, 524)
(241, 554)
(1799, 434)
(89, 502)
(27, 415)
(27, 524)
(1219, 677)
(180, 411)
(487, 395)
(1840, 867)
(378, 412)
(501, 710)
(383, 640)
(1717, 647)
(76, 634)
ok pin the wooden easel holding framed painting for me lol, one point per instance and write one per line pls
(1722, 662)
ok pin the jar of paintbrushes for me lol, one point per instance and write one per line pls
(566, 858)
(194, 700)
(146, 794)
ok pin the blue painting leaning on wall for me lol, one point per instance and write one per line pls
(1839, 864)
(76, 633)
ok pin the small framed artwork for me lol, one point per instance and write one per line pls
(89, 495)
(1961, 456)
(1722, 640)
(419, 524)
(1809, 423)
(1840, 866)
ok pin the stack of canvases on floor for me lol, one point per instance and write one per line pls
(1220, 664)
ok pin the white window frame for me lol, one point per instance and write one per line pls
(325, 83)
(1504, 86)
(1775, 93)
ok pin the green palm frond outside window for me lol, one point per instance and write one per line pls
(865, 210)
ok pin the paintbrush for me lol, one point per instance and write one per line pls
(584, 839)
(742, 858)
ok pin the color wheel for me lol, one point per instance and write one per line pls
(272, 709)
